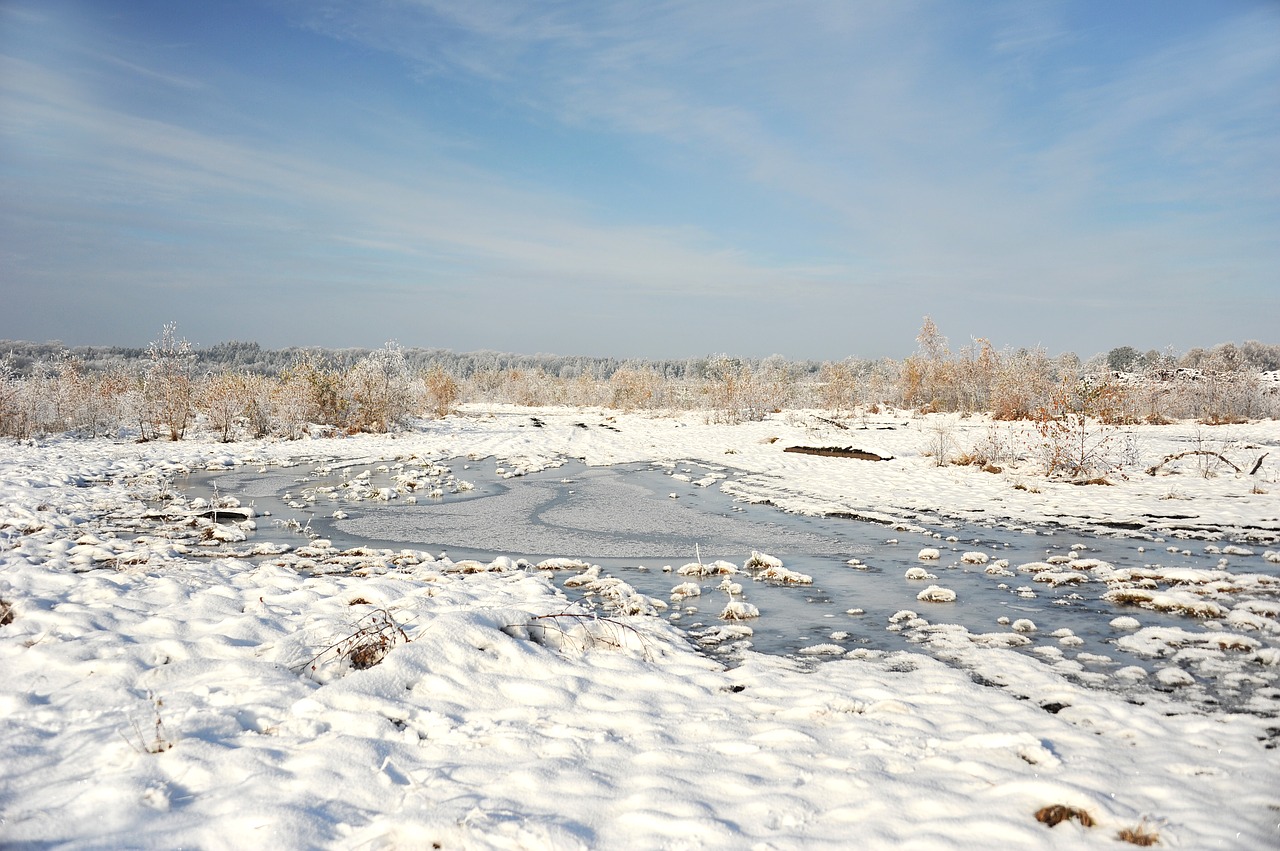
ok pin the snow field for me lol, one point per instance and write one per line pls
(472, 733)
(159, 692)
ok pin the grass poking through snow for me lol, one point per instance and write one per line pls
(1056, 814)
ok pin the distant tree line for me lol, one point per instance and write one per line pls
(239, 389)
(25, 358)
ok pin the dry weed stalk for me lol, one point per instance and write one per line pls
(376, 634)
(160, 739)
(594, 630)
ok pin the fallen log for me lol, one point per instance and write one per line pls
(839, 452)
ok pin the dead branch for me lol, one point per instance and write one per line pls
(1151, 471)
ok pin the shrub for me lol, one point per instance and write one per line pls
(167, 383)
(1075, 437)
(442, 391)
(633, 387)
(225, 398)
(381, 391)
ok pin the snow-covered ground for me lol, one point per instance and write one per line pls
(172, 681)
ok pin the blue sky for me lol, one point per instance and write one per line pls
(641, 179)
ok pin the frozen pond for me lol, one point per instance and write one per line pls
(1040, 591)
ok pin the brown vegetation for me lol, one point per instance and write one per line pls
(1140, 835)
(1056, 814)
(239, 390)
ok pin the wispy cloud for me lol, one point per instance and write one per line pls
(978, 164)
(451, 210)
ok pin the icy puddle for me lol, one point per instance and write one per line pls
(1198, 619)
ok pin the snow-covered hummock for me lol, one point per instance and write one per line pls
(936, 594)
(739, 610)
(162, 694)
(768, 568)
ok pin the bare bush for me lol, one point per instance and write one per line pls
(941, 442)
(441, 391)
(633, 388)
(167, 383)
(224, 399)
(928, 375)
(1022, 384)
(380, 388)
(310, 391)
(1076, 437)
(839, 386)
(14, 421)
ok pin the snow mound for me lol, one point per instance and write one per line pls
(937, 594)
(739, 610)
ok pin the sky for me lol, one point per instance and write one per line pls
(651, 179)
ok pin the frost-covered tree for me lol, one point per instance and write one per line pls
(224, 398)
(380, 387)
(1123, 359)
(167, 384)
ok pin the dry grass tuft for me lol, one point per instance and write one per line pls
(580, 632)
(1056, 814)
(160, 741)
(376, 634)
(1140, 835)
(358, 601)
(6, 613)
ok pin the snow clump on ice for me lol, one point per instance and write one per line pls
(739, 610)
(937, 594)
